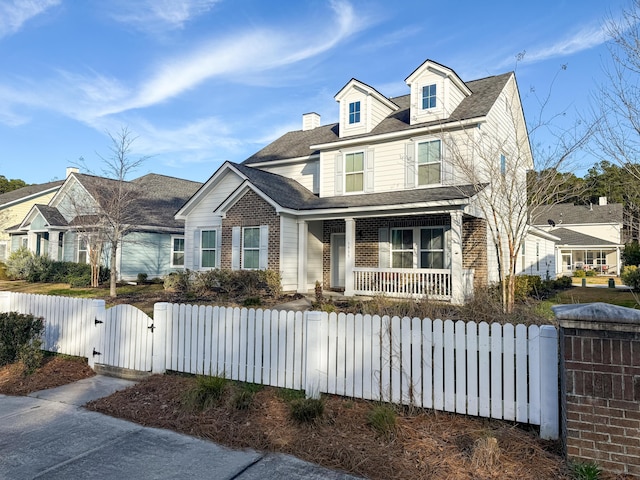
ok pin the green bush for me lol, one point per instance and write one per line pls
(586, 471)
(236, 283)
(590, 273)
(20, 339)
(631, 253)
(19, 264)
(24, 265)
(142, 278)
(630, 276)
(527, 286)
(579, 273)
(306, 410)
(179, 282)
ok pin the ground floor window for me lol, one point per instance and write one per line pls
(251, 248)
(83, 250)
(208, 251)
(417, 247)
(177, 251)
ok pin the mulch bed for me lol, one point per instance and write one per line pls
(425, 444)
(54, 372)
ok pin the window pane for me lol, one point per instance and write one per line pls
(402, 260)
(402, 239)
(209, 239)
(431, 239)
(178, 259)
(429, 152)
(429, 174)
(209, 258)
(178, 244)
(431, 260)
(251, 259)
(252, 237)
(354, 182)
(354, 162)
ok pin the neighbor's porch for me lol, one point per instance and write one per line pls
(605, 260)
(439, 256)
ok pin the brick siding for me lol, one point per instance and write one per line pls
(601, 383)
(474, 250)
(251, 211)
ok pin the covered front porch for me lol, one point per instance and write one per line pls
(437, 255)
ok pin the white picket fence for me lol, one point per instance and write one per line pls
(504, 372)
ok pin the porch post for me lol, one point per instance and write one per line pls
(303, 232)
(457, 282)
(349, 260)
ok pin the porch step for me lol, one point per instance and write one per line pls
(119, 372)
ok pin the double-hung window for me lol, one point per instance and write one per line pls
(354, 172)
(251, 248)
(177, 252)
(503, 165)
(419, 247)
(354, 112)
(208, 251)
(83, 250)
(429, 96)
(429, 162)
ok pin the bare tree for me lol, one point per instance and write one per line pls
(114, 214)
(498, 160)
(617, 103)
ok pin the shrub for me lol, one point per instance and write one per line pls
(586, 471)
(307, 409)
(579, 273)
(206, 392)
(383, 420)
(19, 264)
(631, 253)
(630, 276)
(178, 282)
(20, 339)
(3, 271)
(142, 278)
(590, 273)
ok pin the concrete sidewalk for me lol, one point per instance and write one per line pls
(48, 435)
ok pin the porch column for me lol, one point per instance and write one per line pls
(303, 232)
(349, 255)
(618, 266)
(457, 282)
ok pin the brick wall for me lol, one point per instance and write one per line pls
(251, 211)
(601, 392)
(474, 250)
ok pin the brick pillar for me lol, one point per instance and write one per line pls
(600, 381)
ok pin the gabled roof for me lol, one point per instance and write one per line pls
(573, 238)
(24, 193)
(51, 215)
(369, 90)
(568, 214)
(290, 194)
(298, 143)
(445, 71)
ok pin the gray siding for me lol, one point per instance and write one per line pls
(148, 253)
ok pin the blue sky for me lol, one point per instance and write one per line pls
(203, 81)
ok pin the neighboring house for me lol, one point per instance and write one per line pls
(590, 236)
(153, 244)
(372, 204)
(16, 204)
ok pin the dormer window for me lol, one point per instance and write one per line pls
(354, 112)
(429, 96)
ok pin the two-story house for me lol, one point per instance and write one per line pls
(376, 203)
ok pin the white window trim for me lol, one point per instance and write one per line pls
(349, 122)
(416, 250)
(243, 249)
(418, 142)
(215, 248)
(80, 238)
(362, 172)
(173, 251)
(422, 87)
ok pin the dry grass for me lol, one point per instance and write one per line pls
(55, 371)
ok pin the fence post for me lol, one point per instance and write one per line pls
(313, 349)
(94, 326)
(549, 407)
(4, 301)
(159, 338)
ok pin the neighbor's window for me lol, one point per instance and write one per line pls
(177, 252)
(251, 247)
(429, 97)
(431, 248)
(24, 242)
(83, 250)
(354, 112)
(208, 249)
(503, 165)
(429, 162)
(354, 172)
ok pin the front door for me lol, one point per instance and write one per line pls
(337, 260)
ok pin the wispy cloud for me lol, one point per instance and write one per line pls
(159, 14)
(584, 39)
(15, 13)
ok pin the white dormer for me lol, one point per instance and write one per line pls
(436, 91)
(362, 108)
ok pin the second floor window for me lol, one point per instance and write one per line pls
(354, 112)
(429, 162)
(208, 249)
(354, 172)
(503, 165)
(429, 97)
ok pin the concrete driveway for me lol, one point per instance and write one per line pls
(53, 437)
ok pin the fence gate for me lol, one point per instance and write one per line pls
(126, 339)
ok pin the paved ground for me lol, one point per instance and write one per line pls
(49, 435)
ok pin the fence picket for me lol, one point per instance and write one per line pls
(461, 367)
(449, 367)
(396, 372)
(275, 330)
(427, 363)
(251, 349)
(385, 359)
(521, 373)
(376, 361)
(484, 368)
(472, 368)
(332, 373)
(341, 360)
(289, 369)
(508, 372)
(298, 353)
(496, 370)
(438, 365)
(358, 367)
(534, 374)
(416, 361)
(405, 361)
(282, 347)
(349, 355)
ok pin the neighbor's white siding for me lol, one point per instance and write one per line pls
(289, 253)
(305, 173)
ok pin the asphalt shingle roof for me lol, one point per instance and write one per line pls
(568, 214)
(27, 191)
(570, 237)
(290, 194)
(52, 215)
(297, 143)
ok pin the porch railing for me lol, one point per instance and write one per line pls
(403, 282)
